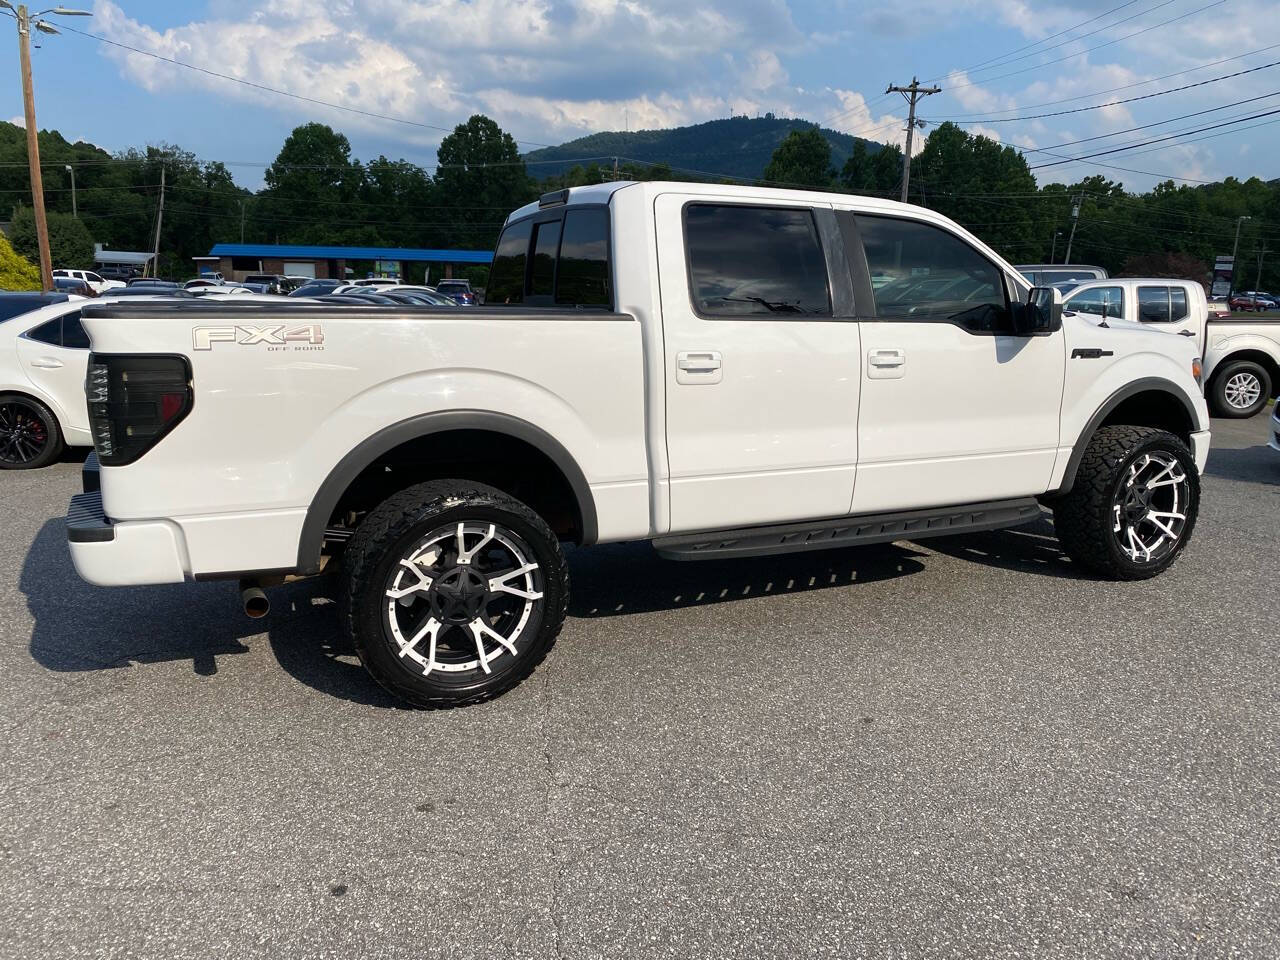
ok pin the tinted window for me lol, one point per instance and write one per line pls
(584, 259)
(506, 277)
(73, 332)
(1153, 304)
(749, 261)
(1178, 303)
(1098, 301)
(49, 332)
(933, 275)
(546, 246)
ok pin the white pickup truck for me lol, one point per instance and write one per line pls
(1241, 357)
(706, 367)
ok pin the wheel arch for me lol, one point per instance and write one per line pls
(399, 435)
(1149, 402)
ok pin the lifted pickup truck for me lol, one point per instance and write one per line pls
(706, 367)
(1241, 357)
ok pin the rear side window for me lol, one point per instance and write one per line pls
(1178, 304)
(506, 277)
(49, 332)
(922, 272)
(584, 259)
(1153, 304)
(74, 335)
(755, 261)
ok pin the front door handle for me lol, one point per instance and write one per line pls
(47, 363)
(698, 366)
(889, 364)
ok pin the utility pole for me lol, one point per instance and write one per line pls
(25, 22)
(1262, 252)
(155, 260)
(242, 221)
(1054, 255)
(1234, 250)
(913, 93)
(1075, 219)
(72, 170)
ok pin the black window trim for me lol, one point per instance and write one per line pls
(547, 215)
(824, 246)
(874, 316)
(60, 320)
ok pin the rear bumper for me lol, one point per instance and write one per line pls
(122, 554)
(1200, 447)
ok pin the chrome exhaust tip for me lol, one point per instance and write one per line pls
(253, 600)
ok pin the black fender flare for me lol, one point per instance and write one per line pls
(311, 541)
(1145, 385)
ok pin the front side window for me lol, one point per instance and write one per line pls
(932, 275)
(506, 277)
(1099, 301)
(1153, 304)
(755, 261)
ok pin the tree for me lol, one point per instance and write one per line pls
(479, 179)
(1178, 266)
(312, 188)
(16, 271)
(803, 159)
(70, 243)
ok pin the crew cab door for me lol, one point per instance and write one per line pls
(955, 409)
(1173, 309)
(761, 354)
(55, 357)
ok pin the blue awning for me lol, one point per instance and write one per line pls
(299, 252)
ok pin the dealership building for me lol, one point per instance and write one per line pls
(235, 261)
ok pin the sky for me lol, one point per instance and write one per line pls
(551, 70)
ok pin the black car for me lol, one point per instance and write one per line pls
(316, 288)
(13, 304)
(124, 274)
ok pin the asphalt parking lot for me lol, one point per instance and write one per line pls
(957, 749)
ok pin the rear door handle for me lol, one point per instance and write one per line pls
(1186, 333)
(699, 366)
(47, 363)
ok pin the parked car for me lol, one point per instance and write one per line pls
(459, 290)
(44, 353)
(268, 282)
(316, 288)
(1247, 302)
(377, 282)
(200, 283)
(1274, 442)
(440, 459)
(121, 274)
(1241, 365)
(74, 286)
(149, 290)
(152, 282)
(1049, 274)
(427, 294)
(97, 283)
(1219, 309)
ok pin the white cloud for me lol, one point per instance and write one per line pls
(19, 121)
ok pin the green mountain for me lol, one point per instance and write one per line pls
(733, 147)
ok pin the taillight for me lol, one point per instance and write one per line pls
(133, 402)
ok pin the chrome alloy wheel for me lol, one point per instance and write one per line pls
(1149, 508)
(1243, 390)
(460, 599)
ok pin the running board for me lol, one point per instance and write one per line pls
(849, 531)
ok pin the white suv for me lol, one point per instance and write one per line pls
(95, 282)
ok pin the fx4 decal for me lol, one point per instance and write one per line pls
(308, 336)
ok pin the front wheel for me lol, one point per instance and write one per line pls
(1133, 506)
(454, 592)
(1240, 390)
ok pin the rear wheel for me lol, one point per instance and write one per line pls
(1240, 389)
(1133, 505)
(454, 593)
(29, 433)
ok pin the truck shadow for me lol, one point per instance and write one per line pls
(1258, 464)
(78, 627)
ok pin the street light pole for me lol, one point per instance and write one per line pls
(1234, 250)
(74, 210)
(25, 22)
(1054, 255)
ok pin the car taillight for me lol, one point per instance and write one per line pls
(133, 402)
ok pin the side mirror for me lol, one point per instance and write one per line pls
(1041, 315)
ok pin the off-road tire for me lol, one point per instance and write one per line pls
(1218, 389)
(1083, 518)
(380, 543)
(54, 444)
